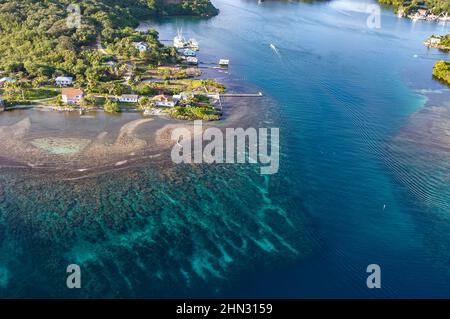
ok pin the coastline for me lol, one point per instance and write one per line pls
(137, 138)
(141, 226)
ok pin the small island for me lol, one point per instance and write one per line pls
(101, 62)
(441, 69)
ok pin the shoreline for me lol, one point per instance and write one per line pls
(138, 139)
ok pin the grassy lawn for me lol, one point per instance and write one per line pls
(50, 102)
(194, 113)
(33, 94)
(171, 72)
(128, 105)
(177, 86)
(100, 101)
(39, 94)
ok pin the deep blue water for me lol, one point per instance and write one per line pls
(343, 91)
(346, 195)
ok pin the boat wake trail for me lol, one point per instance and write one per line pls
(274, 48)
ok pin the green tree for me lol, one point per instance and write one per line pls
(111, 107)
(144, 103)
(441, 71)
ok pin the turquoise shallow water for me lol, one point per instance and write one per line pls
(352, 190)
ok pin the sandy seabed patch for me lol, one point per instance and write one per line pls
(20, 144)
(61, 145)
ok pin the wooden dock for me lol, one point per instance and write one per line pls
(259, 94)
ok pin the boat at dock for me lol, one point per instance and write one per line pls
(193, 44)
(179, 42)
(224, 62)
(186, 52)
(192, 60)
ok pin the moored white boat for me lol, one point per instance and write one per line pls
(179, 41)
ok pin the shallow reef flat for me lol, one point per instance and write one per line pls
(147, 230)
(61, 145)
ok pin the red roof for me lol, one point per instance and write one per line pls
(71, 92)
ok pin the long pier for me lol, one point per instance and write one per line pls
(259, 94)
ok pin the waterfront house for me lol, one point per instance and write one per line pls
(422, 12)
(72, 96)
(163, 101)
(183, 96)
(128, 98)
(176, 97)
(64, 80)
(141, 46)
(5, 80)
(435, 40)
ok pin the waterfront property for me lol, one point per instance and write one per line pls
(72, 96)
(435, 40)
(422, 12)
(64, 80)
(128, 98)
(183, 96)
(426, 15)
(438, 42)
(163, 101)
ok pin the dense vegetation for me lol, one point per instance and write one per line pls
(441, 71)
(177, 86)
(205, 113)
(37, 44)
(411, 6)
(445, 41)
(111, 107)
(182, 7)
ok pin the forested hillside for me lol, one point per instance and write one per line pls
(411, 6)
(37, 43)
